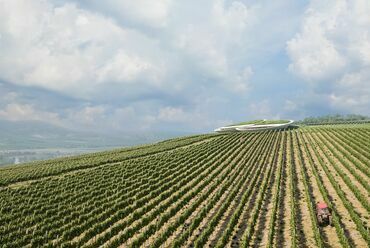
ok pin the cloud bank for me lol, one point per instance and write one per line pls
(332, 53)
(181, 64)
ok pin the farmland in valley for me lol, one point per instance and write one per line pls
(243, 189)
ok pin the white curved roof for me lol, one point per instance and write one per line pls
(253, 127)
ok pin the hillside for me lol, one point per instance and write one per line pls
(221, 190)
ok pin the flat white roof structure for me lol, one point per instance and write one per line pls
(253, 127)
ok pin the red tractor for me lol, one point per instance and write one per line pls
(323, 214)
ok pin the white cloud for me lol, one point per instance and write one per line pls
(68, 49)
(123, 68)
(179, 117)
(140, 64)
(75, 50)
(352, 92)
(10, 96)
(313, 51)
(315, 58)
(240, 84)
(290, 105)
(27, 112)
(144, 12)
(214, 40)
(332, 52)
(232, 19)
(260, 110)
(87, 116)
(79, 52)
(172, 114)
(130, 118)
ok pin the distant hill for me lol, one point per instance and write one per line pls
(29, 140)
(38, 135)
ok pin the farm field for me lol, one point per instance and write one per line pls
(243, 189)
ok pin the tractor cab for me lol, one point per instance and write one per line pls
(323, 214)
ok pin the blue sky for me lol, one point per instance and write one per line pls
(181, 65)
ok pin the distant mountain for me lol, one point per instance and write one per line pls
(25, 141)
(39, 135)
(35, 135)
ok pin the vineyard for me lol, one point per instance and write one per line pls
(242, 189)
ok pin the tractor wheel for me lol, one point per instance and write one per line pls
(319, 219)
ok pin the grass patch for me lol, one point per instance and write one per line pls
(260, 122)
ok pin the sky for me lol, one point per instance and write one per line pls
(181, 65)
